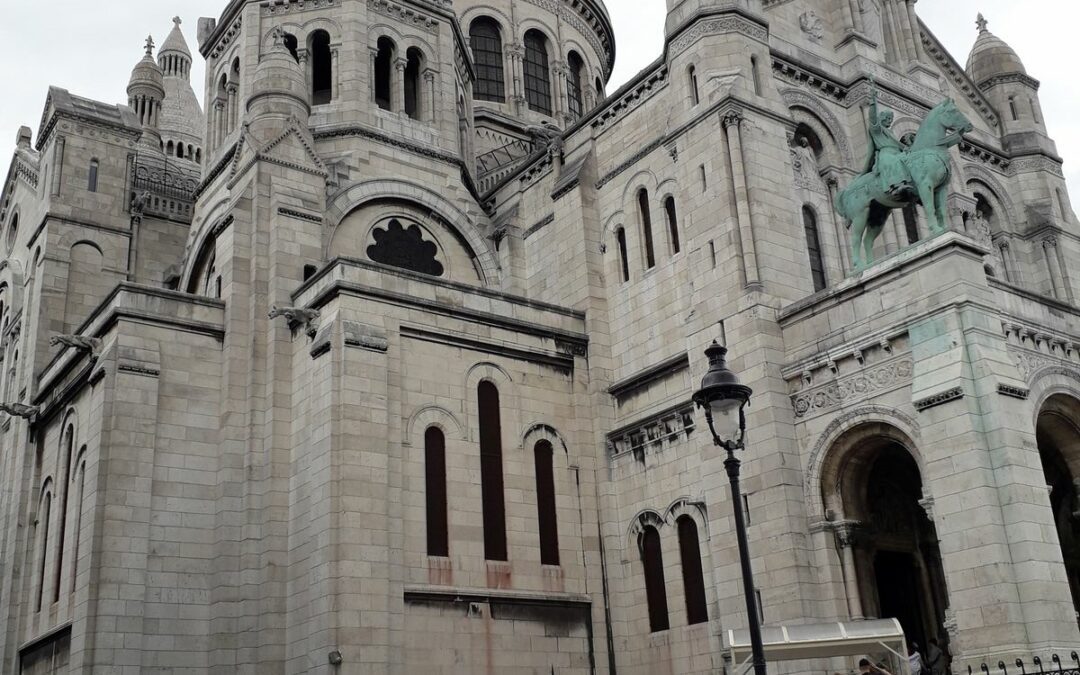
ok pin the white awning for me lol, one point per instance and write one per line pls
(821, 641)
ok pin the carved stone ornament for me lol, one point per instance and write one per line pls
(862, 385)
(27, 412)
(297, 316)
(79, 343)
(812, 26)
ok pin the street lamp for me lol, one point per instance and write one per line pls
(725, 399)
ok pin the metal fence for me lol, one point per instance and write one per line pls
(165, 179)
(1036, 665)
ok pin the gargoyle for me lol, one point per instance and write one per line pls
(91, 346)
(27, 412)
(297, 316)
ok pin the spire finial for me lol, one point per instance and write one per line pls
(149, 45)
(981, 22)
(177, 21)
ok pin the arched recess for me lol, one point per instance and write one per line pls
(974, 175)
(508, 398)
(205, 277)
(459, 222)
(808, 110)
(86, 285)
(541, 431)
(872, 485)
(432, 416)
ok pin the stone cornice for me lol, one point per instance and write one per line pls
(674, 364)
(1010, 78)
(717, 22)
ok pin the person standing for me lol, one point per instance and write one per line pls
(935, 658)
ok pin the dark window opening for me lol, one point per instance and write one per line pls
(491, 473)
(544, 455)
(46, 506)
(1012, 108)
(599, 90)
(697, 610)
(575, 80)
(384, 66)
(293, 46)
(322, 69)
(911, 223)
(78, 517)
(624, 259)
(646, 228)
(487, 48)
(413, 67)
(180, 150)
(438, 537)
(673, 223)
(755, 72)
(813, 248)
(652, 559)
(537, 73)
(694, 96)
(309, 271)
(169, 148)
(405, 248)
(93, 178)
(69, 447)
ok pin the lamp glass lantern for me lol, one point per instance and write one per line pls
(724, 399)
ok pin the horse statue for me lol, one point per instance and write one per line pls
(898, 176)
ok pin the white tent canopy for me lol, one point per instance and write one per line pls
(821, 641)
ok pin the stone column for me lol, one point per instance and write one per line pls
(432, 103)
(916, 32)
(374, 55)
(906, 28)
(233, 104)
(398, 85)
(335, 88)
(846, 540)
(1050, 250)
(842, 246)
(856, 15)
(892, 39)
(58, 165)
(732, 124)
(516, 51)
(1007, 262)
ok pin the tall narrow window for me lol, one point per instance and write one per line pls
(692, 77)
(755, 73)
(599, 90)
(1034, 111)
(413, 67)
(78, 516)
(322, 68)
(624, 260)
(438, 537)
(491, 472)
(64, 495)
(911, 223)
(544, 458)
(652, 559)
(575, 80)
(487, 47)
(673, 223)
(384, 67)
(1012, 108)
(169, 148)
(293, 45)
(646, 228)
(697, 610)
(91, 183)
(813, 248)
(537, 73)
(1062, 206)
(43, 518)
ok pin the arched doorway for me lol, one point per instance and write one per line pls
(1058, 435)
(889, 549)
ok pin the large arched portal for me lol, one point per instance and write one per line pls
(1058, 435)
(887, 544)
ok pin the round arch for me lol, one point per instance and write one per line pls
(807, 109)
(432, 416)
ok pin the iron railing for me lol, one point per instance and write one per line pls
(1036, 665)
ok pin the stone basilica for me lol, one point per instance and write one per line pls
(384, 363)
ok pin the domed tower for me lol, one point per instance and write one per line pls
(146, 91)
(998, 71)
(182, 121)
(279, 92)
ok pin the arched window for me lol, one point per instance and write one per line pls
(322, 68)
(652, 559)
(293, 45)
(624, 260)
(180, 150)
(491, 472)
(673, 223)
(384, 68)
(691, 75)
(911, 223)
(697, 610)
(81, 469)
(91, 183)
(599, 90)
(43, 519)
(487, 47)
(1012, 108)
(64, 490)
(575, 80)
(13, 232)
(813, 248)
(547, 519)
(646, 228)
(755, 73)
(198, 154)
(537, 73)
(169, 148)
(413, 68)
(438, 537)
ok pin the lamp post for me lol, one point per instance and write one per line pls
(725, 399)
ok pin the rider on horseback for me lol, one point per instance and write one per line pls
(886, 160)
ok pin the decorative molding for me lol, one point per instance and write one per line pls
(541, 224)
(273, 7)
(1014, 392)
(1010, 78)
(671, 425)
(365, 337)
(630, 100)
(823, 85)
(728, 22)
(425, 151)
(407, 15)
(299, 215)
(958, 75)
(138, 370)
(642, 379)
(1033, 163)
(944, 397)
(862, 385)
(226, 37)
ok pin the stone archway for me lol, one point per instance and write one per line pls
(1057, 432)
(873, 489)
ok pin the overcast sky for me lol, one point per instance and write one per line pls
(90, 49)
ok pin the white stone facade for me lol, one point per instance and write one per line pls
(222, 375)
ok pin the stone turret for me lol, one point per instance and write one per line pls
(146, 91)
(182, 122)
(279, 92)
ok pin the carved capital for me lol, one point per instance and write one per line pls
(732, 118)
(401, 64)
(1050, 241)
(847, 533)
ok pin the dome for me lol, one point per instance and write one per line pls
(146, 71)
(278, 73)
(181, 114)
(175, 43)
(991, 57)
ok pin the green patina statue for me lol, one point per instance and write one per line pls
(897, 175)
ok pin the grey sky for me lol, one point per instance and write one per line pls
(90, 48)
